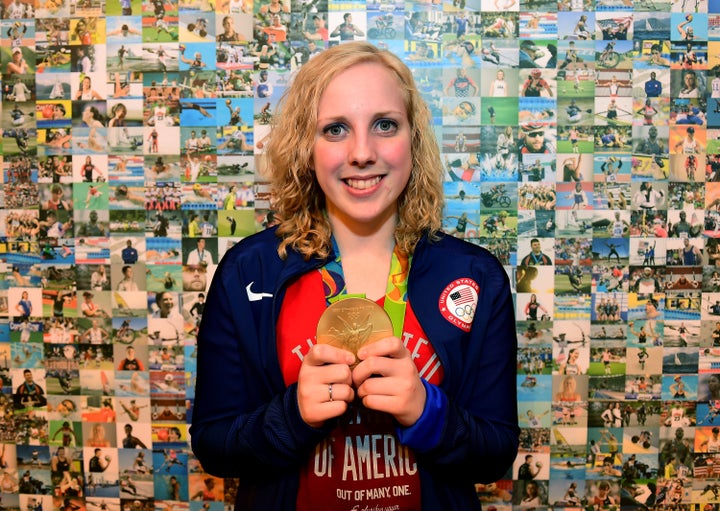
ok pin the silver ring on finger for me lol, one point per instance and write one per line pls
(330, 391)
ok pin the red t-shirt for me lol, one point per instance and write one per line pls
(361, 461)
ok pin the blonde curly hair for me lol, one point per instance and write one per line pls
(299, 200)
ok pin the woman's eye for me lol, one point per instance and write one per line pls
(386, 125)
(334, 130)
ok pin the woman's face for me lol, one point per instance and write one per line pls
(569, 384)
(362, 153)
(689, 79)
(57, 113)
(86, 83)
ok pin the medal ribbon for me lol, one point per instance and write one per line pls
(395, 300)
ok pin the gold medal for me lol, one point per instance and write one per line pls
(352, 323)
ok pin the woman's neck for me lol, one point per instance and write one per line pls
(366, 258)
(352, 236)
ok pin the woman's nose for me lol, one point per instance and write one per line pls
(362, 150)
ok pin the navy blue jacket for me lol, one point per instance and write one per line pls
(246, 421)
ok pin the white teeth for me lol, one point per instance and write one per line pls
(363, 184)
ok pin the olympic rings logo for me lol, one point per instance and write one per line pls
(466, 312)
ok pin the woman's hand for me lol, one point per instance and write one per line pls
(387, 380)
(325, 384)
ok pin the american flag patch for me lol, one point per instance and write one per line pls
(462, 296)
(458, 302)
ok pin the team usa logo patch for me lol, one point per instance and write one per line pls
(458, 302)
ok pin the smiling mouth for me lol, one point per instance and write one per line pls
(363, 184)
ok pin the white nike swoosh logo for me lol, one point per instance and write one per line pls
(256, 297)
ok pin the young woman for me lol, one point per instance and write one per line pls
(358, 181)
(499, 87)
(17, 64)
(531, 308)
(92, 118)
(88, 170)
(85, 91)
(24, 307)
(578, 197)
(118, 113)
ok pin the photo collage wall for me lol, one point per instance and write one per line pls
(580, 144)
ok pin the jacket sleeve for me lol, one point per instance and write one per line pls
(246, 423)
(475, 439)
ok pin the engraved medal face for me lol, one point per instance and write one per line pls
(352, 323)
